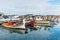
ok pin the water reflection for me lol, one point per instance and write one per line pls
(19, 31)
(14, 30)
(42, 33)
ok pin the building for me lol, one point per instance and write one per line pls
(37, 17)
(1, 15)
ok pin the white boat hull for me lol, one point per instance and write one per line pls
(16, 27)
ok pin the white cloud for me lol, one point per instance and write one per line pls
(43, 7)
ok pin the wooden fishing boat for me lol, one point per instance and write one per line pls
(29, 24)
(13, 25)
(42, 23)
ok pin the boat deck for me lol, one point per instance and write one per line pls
(16, 27)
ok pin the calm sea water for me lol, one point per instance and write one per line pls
(50, 33)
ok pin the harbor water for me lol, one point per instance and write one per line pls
(44, 33)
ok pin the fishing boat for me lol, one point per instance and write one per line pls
(40, 22)
(14, 25)
(29, 24)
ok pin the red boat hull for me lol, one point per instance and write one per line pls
(29, 24)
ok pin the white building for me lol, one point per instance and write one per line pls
(37, 17)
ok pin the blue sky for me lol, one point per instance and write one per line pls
(21, 7)
(55, 2)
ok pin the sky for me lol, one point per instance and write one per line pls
(22, 7)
